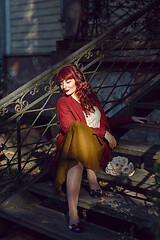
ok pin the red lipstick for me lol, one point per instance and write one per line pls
(66, 90)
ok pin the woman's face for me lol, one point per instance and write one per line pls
(68, 86)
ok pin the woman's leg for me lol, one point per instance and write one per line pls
(74, 177)
(92, 180)
(80, 144)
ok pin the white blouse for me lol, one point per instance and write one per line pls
(93, 119)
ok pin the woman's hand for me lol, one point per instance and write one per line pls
(110, 138)
(139, 119)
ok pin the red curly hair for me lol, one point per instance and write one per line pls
(84, 92)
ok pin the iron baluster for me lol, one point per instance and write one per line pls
(19, 147)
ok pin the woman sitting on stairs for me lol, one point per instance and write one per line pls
(85, 140)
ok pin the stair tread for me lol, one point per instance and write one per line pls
(53, 224)
(138, 148)
(117, 205)
(143, 127)
(141, 179)
(148, 105)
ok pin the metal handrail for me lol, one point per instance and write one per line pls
(72, 57)
(28, 114)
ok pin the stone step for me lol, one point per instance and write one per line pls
(138, 211)
(53, 224)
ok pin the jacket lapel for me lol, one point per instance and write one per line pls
(76, 109)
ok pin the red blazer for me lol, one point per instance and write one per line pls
(69, 110)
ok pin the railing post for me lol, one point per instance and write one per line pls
(19, 146)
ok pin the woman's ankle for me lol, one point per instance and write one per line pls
(94, 186)
(92, 180)
(73, 217)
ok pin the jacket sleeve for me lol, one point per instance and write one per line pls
(64, 114)
(115, 122)
(100, 131)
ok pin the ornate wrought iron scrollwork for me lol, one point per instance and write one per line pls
(20, 104)
(124, 35)
(111, 83)
(79, 65)
(3, 111)
(52, 84)
(34, 91)
(89, 55)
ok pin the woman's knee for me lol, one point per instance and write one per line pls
(77, 126)
(76, 123)
(80, 166)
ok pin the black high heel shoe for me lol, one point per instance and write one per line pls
(78, 227)
(95, 193)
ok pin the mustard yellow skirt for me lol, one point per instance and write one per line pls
(80, 144)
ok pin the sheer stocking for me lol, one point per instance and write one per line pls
(74, 177)
(92, 180)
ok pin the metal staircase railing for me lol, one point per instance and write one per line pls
(120, 65)
(98, 15)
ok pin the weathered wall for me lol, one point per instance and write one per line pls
(35, 26)
(21, 69)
